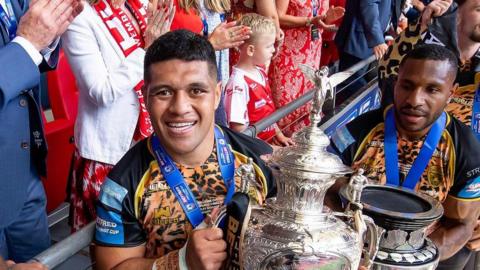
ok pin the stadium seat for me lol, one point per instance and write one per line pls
(63, 95)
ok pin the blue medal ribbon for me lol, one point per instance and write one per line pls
(10, 21)
(179, 187)
(205, 26)
(476, 113)
(423, 158)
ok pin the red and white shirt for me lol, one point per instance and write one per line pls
(248, 99)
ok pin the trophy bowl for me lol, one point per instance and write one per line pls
(404, 217)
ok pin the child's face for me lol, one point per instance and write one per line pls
(264, 47)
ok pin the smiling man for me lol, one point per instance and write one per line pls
(415, 144)
(156, 197)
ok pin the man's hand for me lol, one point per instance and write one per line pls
(380, 50)
(229, 35)
(25, 266)
(435, 8)
(47, 19)
(159, 17)
(333, 14)
(206, 249)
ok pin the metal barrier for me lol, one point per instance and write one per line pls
(69, 246)
(335, 80)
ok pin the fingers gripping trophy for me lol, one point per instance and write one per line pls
(295, 230)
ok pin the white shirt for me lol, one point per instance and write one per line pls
(237, 95)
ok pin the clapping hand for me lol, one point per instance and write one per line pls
(159, 19)
(435, 8)
(319, 21)
(229, 35)
(47, 19)
(333, 14)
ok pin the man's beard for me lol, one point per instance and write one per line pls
(475, 34)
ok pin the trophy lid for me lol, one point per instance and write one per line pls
(404, 209)
(309, 154)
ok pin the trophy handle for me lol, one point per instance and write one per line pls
(373, 233)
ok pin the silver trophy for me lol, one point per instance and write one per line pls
(295, 230)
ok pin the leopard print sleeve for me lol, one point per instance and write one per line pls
(389, 64)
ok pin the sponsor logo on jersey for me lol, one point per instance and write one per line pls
(112, 194)
(260, 103)
(471, 189)
(109, 227)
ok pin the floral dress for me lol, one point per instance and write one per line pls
(286, 80)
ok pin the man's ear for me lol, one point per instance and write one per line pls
(453, 90)
(218, 94)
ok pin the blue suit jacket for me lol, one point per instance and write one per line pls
(363, 26)
(19, 99)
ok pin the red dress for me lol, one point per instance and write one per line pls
(183, 20)
(286, 80)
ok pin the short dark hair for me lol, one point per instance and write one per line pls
(460, 2)
(432, 52)
(182, 45)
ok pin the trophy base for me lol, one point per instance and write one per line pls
(383, 266)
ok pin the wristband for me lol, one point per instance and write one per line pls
(182, 258)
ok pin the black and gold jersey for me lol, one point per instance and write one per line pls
(454, 168)
(136, 205)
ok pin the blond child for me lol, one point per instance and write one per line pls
(247, 94)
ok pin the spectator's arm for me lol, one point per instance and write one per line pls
(268, 9)
(370, 19)
(103, 84)
(19, 72)
(456, 226)
(238, 127)
(289, 20)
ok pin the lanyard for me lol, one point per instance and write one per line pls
(314, 8)
(476, 113)
(421, 161)
(9, 20)
(205, 26)
(177, 183)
